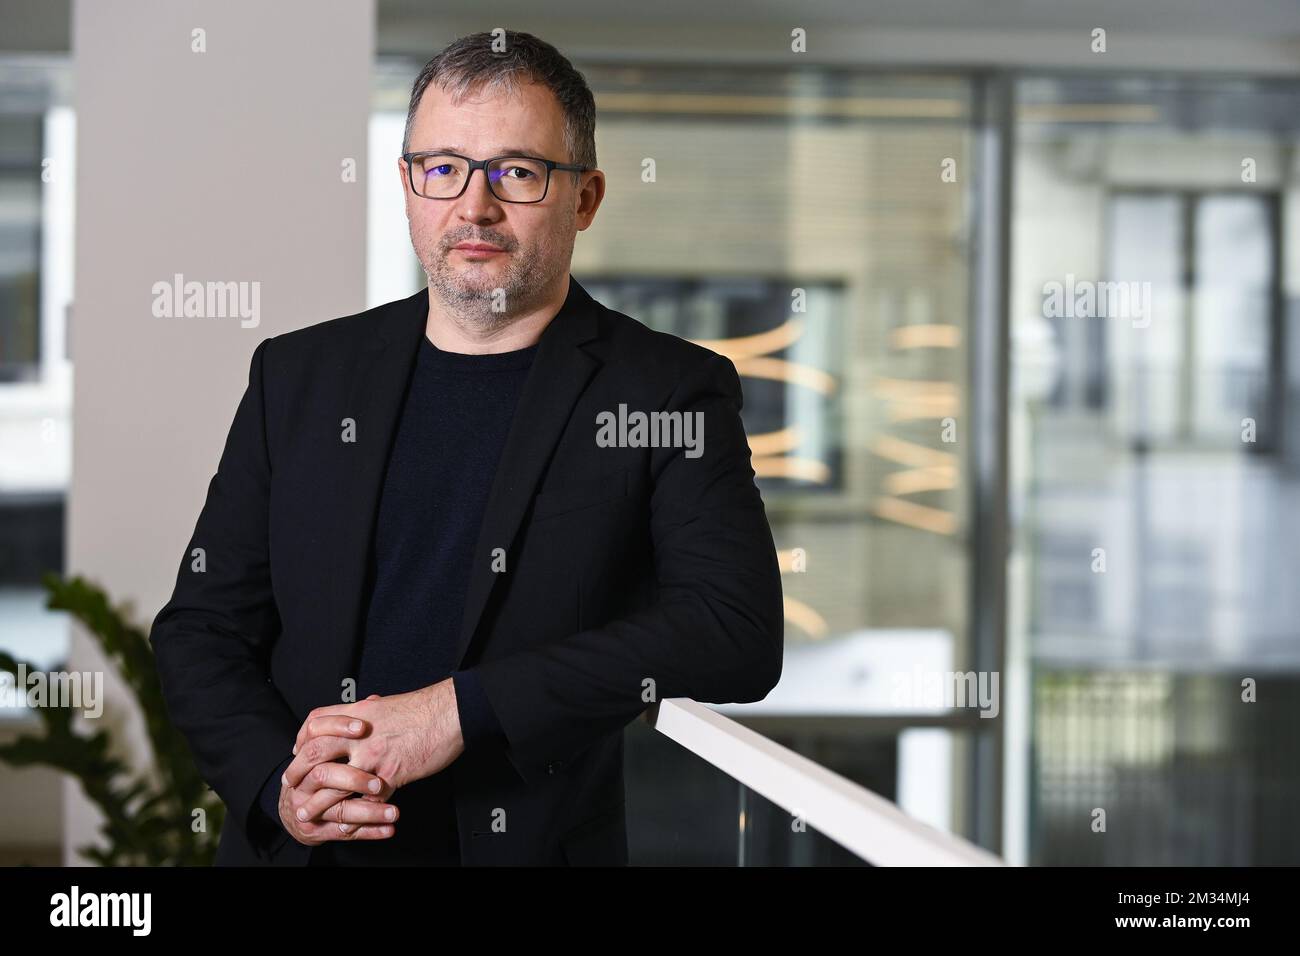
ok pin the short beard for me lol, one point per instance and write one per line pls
(472, 308)
(468, 303)
(527, 274)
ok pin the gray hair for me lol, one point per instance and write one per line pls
(470, 64)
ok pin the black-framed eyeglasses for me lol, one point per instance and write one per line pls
(436, 175)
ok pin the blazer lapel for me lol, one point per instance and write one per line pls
(383, 369)
(558, 376)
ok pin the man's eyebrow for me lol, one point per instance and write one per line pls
(499, 151)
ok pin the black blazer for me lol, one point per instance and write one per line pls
(632, 573)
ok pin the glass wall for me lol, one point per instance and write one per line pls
(36, 263)
(36, 206)
(1153, 461)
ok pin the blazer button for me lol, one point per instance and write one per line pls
(554, 765)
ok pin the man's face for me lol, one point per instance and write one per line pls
(535, 239)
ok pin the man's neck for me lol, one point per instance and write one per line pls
(452, 334)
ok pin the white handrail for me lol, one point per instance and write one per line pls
(851, 815)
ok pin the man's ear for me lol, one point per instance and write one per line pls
(589, 198)
(402, 184)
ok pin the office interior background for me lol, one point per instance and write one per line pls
(960, 476)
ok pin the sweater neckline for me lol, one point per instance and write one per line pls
(484, 362)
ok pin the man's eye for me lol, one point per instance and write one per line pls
(519, 169)
(442, 170)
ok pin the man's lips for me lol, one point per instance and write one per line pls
(477, 247)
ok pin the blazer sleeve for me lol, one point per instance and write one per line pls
(213, 638)
(715, 631)
(269, 828)
(478, 723)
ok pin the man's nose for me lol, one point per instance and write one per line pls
(477, 201)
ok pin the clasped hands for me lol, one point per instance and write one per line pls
(368, 750)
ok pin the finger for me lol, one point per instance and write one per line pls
(353, 813)
(341, 712)
(316, 750)
(297, 805)
(334, 831)
(320, 712)
(340, 776)
(331, 725)
(337, 778)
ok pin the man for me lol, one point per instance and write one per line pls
(457, 542)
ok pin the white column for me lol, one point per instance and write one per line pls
(224, 142)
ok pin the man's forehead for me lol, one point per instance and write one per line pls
(449, 121)
(523, 97)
